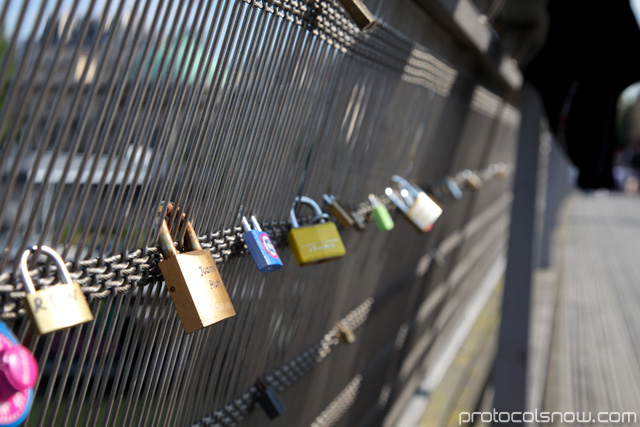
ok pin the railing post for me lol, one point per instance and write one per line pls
(511, 359)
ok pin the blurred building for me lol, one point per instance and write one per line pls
(79, 87)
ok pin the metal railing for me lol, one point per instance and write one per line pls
(229, 108)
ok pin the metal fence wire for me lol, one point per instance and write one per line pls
(108, 109)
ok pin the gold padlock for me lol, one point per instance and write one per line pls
(57, 307)
(345, 333)
(338, 210)
(500, 170)
(193, 281)
(315, 243)
(360, 14)
(471, 180)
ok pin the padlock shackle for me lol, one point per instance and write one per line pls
(308, 201)
(391, 194)
(245, 224)
(254, 223)
(328, 199)
(374, 200)
(193, 242)
(166, 240)
(413, 189)
(57, 260)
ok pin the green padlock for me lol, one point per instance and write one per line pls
(380, 214)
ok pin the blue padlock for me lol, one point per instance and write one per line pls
(260, 246)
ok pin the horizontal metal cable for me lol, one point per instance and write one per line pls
(385, 47)
(121, 273)
(235, 411)
(229, 108)
(347, 397)
(340, 404)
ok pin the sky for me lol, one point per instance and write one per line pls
(635, 6)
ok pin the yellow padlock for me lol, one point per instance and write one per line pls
(315, 243)
(57, 307)
(193, 281)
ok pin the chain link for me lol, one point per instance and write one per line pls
(340, 405)
(118, 274)
(289, 373)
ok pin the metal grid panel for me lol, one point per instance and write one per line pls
(227, 108)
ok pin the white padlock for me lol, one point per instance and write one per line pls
(421, 210)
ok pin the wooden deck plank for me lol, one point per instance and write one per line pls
(595, 356)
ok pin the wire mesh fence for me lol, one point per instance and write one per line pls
(109, 109)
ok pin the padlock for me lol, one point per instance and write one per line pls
(269, 400)
(380, 214)
(57, 307)
(471, 180)
(358, 221)
(419, 208)
(193, 281)
(18, 376)
(260, 246)
(360, 14)
(338, 210)
(345, 334)
(453, 188)
(314, 243)
(501, 171)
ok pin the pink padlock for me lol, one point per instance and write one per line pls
(19, 366)
(18, 375)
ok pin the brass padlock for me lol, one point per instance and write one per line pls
(471, 180)
(500, 170)
(338, 210)
(345, 333)
(56, 307)
(360, 14)
(315, 243)
(419, 208)
(193, 281)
